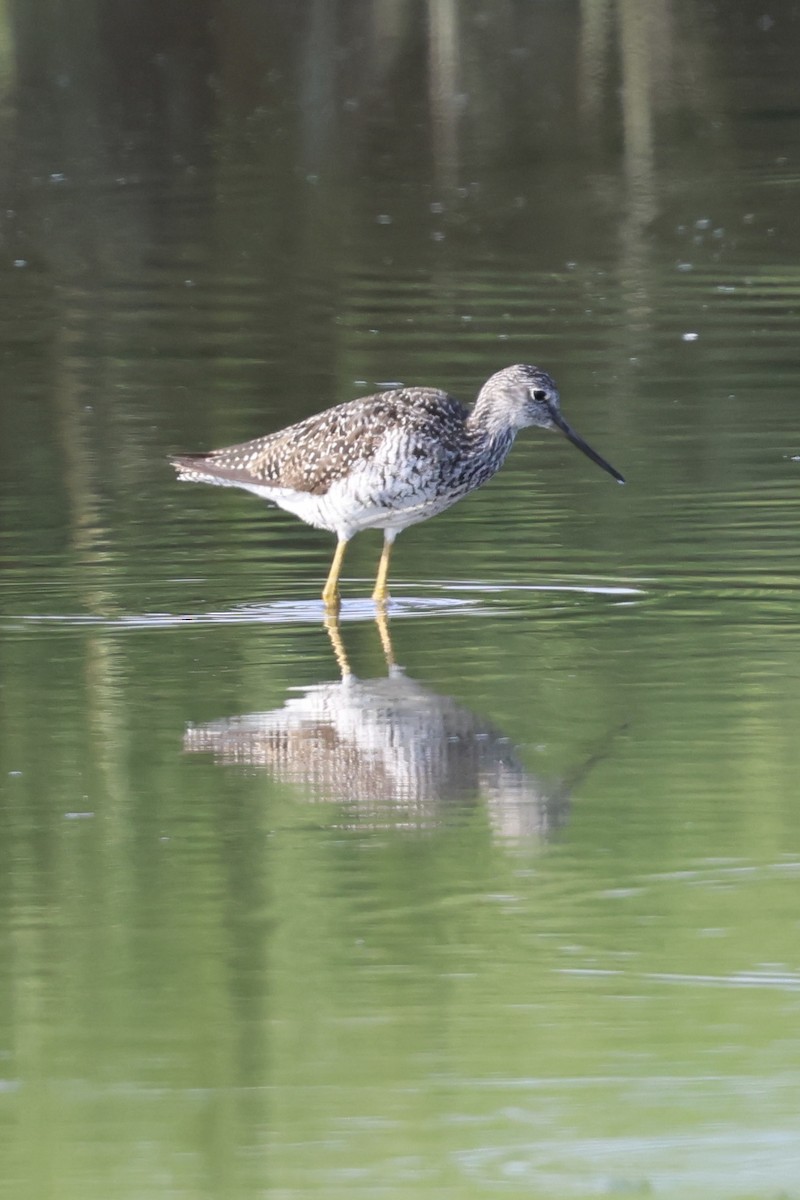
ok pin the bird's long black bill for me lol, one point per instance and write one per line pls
(577, 440)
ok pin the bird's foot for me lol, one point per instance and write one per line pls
(333, 602)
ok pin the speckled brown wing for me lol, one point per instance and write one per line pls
(312, 455)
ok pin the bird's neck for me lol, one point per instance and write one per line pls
(491, 433)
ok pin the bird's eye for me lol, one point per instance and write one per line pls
(539, 394)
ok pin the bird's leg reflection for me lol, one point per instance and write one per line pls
(382, 621)
(334, 632)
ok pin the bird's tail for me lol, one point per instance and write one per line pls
(204, 468)
(190, 467)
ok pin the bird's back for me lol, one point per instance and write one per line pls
(318, 452)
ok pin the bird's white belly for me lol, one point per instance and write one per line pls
(369, 497)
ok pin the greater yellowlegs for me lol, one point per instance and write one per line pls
(388, 461)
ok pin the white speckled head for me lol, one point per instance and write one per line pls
(525, 395)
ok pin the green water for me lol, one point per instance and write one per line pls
(501, 899)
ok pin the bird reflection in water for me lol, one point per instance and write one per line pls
(393, 753)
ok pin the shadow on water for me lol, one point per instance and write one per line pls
(395, 753)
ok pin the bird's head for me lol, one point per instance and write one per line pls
(529, 396)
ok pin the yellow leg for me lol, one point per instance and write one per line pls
(381, 593)
(330, 593)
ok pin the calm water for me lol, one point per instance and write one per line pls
(501, 898)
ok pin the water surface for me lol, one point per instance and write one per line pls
(499, 899)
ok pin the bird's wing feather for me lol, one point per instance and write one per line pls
(316, 452)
